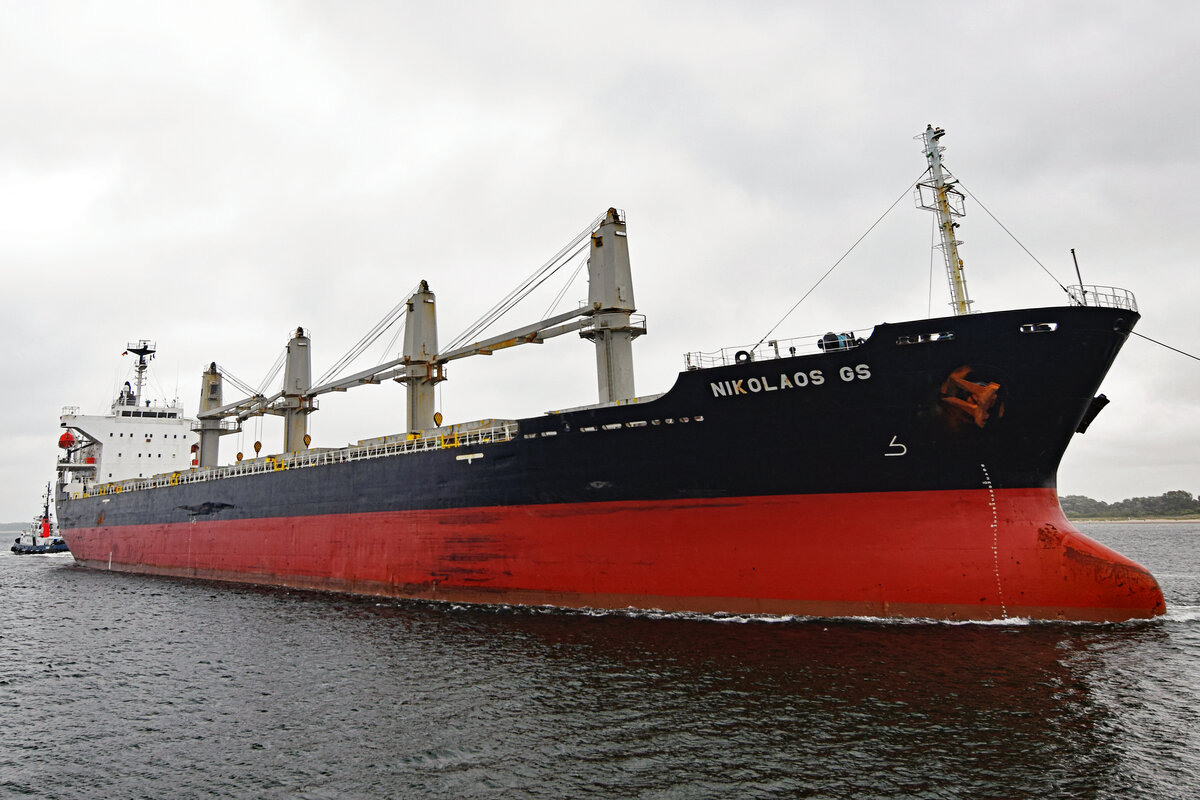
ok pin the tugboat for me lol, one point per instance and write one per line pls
(42, 536)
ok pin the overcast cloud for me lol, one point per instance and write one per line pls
(209, 176)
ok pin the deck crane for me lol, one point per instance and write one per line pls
(608, 320)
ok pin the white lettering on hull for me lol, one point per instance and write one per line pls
(798, 380)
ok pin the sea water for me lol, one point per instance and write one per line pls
(124, 686)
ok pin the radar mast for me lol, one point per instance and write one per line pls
(144, 350)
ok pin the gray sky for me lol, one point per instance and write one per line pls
(210, 176)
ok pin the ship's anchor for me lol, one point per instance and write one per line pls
(975, 399)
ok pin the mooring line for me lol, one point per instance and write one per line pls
(987, 481)
(1162, 344)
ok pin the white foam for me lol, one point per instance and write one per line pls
(1183, 613)
(1174, 614)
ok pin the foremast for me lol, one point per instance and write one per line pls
(937, 194)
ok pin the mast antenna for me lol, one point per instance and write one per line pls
(939, 195)
(1082, 291)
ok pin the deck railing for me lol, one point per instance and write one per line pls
(775, 348)
(1102, 297)
(442, 440)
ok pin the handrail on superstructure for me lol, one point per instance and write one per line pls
(226, 426)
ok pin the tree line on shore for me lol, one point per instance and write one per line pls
(1177, 503)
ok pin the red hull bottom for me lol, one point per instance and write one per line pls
(966, 555)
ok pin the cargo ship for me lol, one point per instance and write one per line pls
(905, 471)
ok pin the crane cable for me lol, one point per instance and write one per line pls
(562, 292)
(396, 314)
(237, 382)
(272, 373)
(539, 276)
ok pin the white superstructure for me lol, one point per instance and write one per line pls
(136, 439)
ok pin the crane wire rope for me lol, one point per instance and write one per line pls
(563, 291)
(388, 348)
(272, 373)
(547, 277)
(539, 276)
(237, 382)
(396, 314)
(514, 297)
